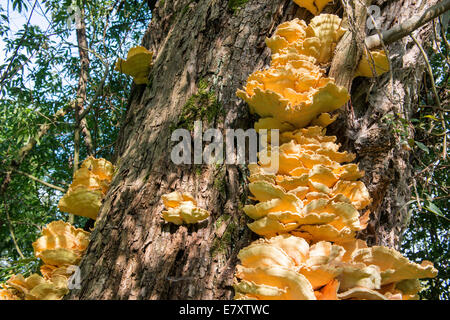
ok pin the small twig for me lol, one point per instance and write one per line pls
(11, 230)
(386, 51)
(98, 92)
(444, 38)
(417, 194)
(40, 181)
(438, 47)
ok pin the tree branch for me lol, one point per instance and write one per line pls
(403, 29)
(45, 183)
(98, 92)
(11, 231)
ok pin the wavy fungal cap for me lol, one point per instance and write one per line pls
(182, 209)
(274, 268)
(294, 91)
(313, 6)
(328, 28)
(313, 193)
(49, 271)
(318, 39)
(102, 168)
(281, 94)
(373, 64)
(8, 294)
(36, 287)
(393, 265)
(137, 64)
(90, 184)
(61, 244)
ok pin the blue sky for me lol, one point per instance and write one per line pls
(18, 20)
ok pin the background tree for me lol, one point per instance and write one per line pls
(204, 51)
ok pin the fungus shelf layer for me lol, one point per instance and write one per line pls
(138, 64)
(182, 209)
(90, 184)
(309, 211)
(60, 248)
(61, 245)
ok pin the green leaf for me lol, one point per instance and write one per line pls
(431, 117)
(422, 146)
(434, 209)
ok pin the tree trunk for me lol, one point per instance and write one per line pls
(133, 253)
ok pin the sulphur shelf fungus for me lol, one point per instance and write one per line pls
(61, 244)
(49, 271)
(313, 193)
(313, 6)
(288, 267)
(373, 63)
(317, 40)
(393, 265)
(182, 209)
(34, 287)
(310, 207)
(89, 186)
(137, 64)
(380, 273)
(8, 293)
(294, 90)
(290, 96)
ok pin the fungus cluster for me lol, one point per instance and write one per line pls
(294, 89)
(60, 247)
(137, 64)
(89, 186)
(182, 209)
(309, 211)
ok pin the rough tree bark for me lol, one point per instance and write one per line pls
(135, 255)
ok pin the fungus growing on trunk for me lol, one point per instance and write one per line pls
(90, 184)
(294, 89)
(182, 209)
(309, 210)
(314, 6)
(61, 244)
(137, 64)
(36, 287)
(60, 247)
(372, 64)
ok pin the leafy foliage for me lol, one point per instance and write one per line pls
(38, 77)
(428, 235)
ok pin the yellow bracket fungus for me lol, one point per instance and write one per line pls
(393, 265)
(373, 64)
(137, 64)
(60, 247)
(293, 90)
(90, 184)
(308, 211)
(37, 288)
(61, 244)
(314, 6)
(329, 29)
(182, 209)
(312, 193)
